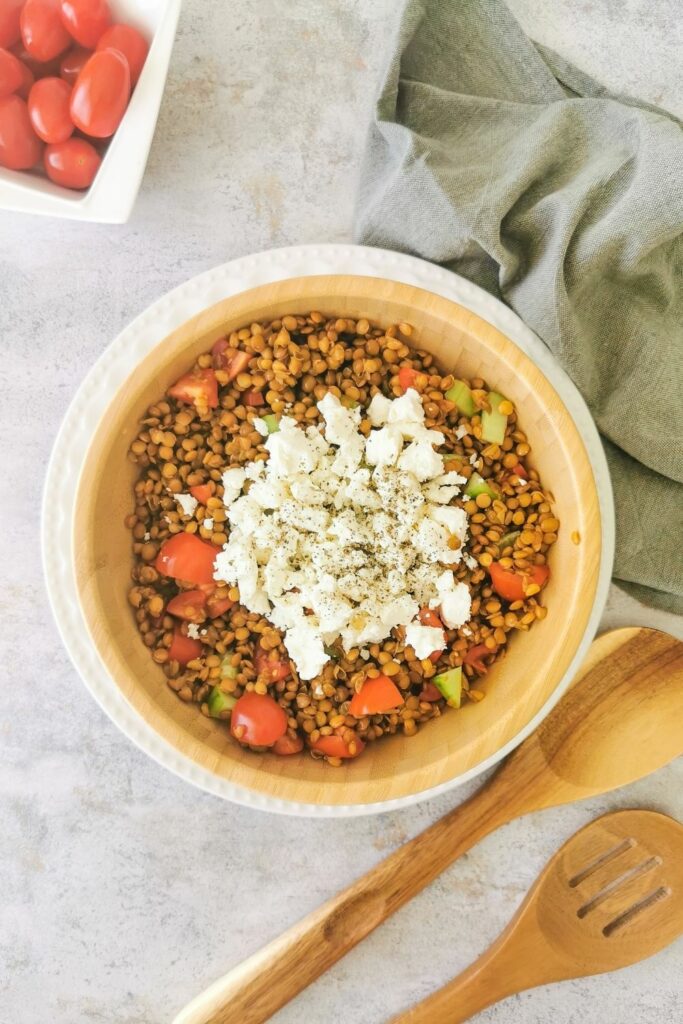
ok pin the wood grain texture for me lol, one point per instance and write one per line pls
(518, 687)
(610, 897)
(620, 721)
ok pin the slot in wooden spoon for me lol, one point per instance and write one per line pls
(619, 722)
(611, 896)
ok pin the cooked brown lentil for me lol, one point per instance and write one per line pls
(293, 362)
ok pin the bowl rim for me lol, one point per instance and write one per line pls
(154, 325)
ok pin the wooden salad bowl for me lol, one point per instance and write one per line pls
(518, 687)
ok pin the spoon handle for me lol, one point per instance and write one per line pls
(254, 990)
(519, 959)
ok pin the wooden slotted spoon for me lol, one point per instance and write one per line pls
(611, 896)
(620, 721)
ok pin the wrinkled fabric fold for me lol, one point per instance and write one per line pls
(497, 159)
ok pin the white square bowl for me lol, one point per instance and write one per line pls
(111, 196)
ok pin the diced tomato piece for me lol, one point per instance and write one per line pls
(430, 692)
(189, 605)
(475, 654)
(184, 648)
(510, 585)
(429, 617)
(407, 377)
(217, 606)
(253, 398)
(288, 745)
(220, 361)
(275, 668)
(376, 696)
(238, 363)
(257, 720)
(335, 746)
(187, 557)
(198, 387)
(520, 471)
(202, 492)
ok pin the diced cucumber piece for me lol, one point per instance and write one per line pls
(477, 485)
(508, 538)
(272, 422)
(450, 685)
(219, 702)
(462, 396)
(228, 670)
(493, 423)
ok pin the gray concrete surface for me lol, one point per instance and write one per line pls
(124, 891)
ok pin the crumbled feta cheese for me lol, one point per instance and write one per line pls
(461, 432)
(208, 523)
(147, 536)
(425, 639)
(187, 503)
(383, 446)
(193, 631)
(345, 537)
(456, 606)
(474, 459)
(233, 481)
(378, 410)
(261, 426)
(365, 654)
(420, 459)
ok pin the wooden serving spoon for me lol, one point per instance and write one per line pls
(620, 721)
(611, 896)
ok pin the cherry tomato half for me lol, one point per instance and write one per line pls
(275, 668)
(131, 43)
(257, 720)
(73, 163)
(520, 471)
(12, 73)
(200, 387)
(202, 492)
(42, 31)
(48, 108)
(407, 377)
(72, 63)
(335, 746)
(375, 697)
(10, 12)
(101, 93)
(85, 20)
(510, 585)
(288, 744)
(20, 147)
(184, 648)
(187, 557)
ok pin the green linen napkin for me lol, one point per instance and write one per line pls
(493, 157)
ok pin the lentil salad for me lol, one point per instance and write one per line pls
(232, 662)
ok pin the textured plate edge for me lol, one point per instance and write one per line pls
(169, 311)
